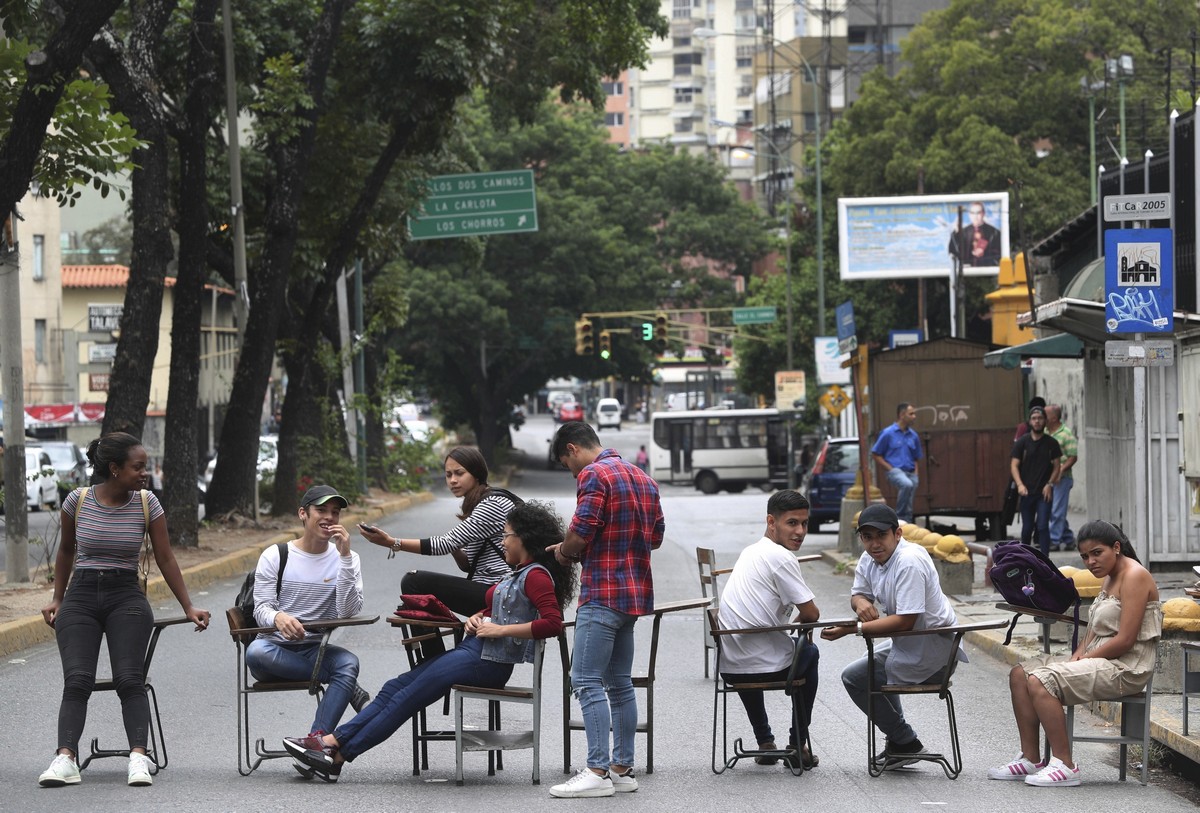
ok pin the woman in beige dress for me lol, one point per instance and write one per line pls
(1116, 659)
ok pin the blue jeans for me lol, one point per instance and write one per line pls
(109, 604)
(889, 716)
(1060, 531)
(905, 485)
(269, 659)
(1035, 511)
(601, 676)
(754, 702)
(403, 696)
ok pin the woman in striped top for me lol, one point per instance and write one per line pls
(101, 541)
(476, 543)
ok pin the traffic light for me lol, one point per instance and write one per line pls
(660, 333)
(605, 344)
(647, 331)
(585, 340)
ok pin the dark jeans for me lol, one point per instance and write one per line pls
(754, 700)
(103, 603)
(1036, 511)
(405, 695)
(456, 592)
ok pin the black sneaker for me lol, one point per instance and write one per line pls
(359, 698)
(899, 755)
(319, 760)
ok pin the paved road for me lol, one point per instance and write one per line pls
(194, 678)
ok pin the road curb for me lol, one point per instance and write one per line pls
(32, 630)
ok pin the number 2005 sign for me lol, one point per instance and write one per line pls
(1137, 207)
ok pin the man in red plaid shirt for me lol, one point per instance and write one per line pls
(618, 520)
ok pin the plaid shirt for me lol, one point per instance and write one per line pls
(618, 514)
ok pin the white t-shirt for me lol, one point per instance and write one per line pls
(763, 591)
(908, 584)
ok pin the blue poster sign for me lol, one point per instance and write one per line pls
(846, 333)
(1139, 281)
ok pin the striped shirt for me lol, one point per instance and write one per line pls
(483, 529)
(109, 537)
(619, 516)
(316, 587)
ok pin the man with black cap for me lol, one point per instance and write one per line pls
(899, 577)
(1034, 467)
(322, 579)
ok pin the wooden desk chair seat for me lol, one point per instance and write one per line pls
(951, 764)
(706, 561)
(494, 739)
(243, 632)
(156, 749)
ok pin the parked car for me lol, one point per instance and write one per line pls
(570, 411)
(608, 413)
(268, 458)
(69, 464)
(42, 488)
(826, 483)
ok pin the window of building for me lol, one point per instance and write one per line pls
(745, 117)
(744, 91)
(684, 125)
(681, 9)
(683, 42)
(810, 122)
(856, 34)
(39, 257)
(686, 95)
(745, 56)
(614, 88)
(614, 119)
(39, 341)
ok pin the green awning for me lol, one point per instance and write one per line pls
(1060, 346)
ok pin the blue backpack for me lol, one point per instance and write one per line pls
(1026, 577)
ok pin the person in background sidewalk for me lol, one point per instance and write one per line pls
(322, 579)
(1116, 659)
(899, 576)
(618, 521)
(1061, 537)
(1034, 468)
(897, 450)
(765, 588)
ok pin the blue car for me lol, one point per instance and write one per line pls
(826, 483)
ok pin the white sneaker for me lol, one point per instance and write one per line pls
(1019, 768)
(140, 767)
(623, 782)
(1055, 775)
(62, 771)
(584, 785)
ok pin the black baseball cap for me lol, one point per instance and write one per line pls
(319, 495)
(879, 516)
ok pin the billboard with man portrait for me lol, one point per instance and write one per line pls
(919, 235)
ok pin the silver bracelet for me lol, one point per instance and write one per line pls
(395, 546)
(860, 629)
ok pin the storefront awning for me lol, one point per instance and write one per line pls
(1060, 346)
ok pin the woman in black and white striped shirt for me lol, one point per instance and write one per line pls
(476, 543)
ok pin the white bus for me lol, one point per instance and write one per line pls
(719, 448)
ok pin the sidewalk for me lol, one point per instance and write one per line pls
(1166, 720)
(26, 632)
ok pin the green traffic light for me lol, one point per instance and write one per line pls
(604, 354)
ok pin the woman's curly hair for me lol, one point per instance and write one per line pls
(538, 527)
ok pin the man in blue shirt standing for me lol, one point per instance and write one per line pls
(897, 450)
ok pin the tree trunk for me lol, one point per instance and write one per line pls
(237, 454)
(180, 467)
(48, 72)
(302, 418)
(133, 77)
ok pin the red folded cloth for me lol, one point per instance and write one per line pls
(424, 608)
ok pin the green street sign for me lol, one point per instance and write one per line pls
(753, 316)
(475, 204)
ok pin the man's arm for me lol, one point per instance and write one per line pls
(808, 612)
(879, 459)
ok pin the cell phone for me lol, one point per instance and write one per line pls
(367, 527)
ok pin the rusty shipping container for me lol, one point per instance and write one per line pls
(966, 417)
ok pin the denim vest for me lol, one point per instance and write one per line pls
(510, 605)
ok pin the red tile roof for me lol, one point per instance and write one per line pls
(112, 276)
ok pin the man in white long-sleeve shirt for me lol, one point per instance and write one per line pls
(322, 579)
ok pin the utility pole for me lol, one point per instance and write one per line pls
(241, 297)
(15, 510)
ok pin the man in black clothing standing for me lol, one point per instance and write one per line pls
(1035, 470)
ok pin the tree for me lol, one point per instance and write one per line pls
(491, 319)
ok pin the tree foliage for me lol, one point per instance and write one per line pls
(491, 319)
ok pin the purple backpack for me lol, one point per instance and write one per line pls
(1026, 577)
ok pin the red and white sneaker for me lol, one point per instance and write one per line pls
(1055, 775)
(1019, 768)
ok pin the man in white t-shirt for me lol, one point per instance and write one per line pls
(765, 587)
(898, 576)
